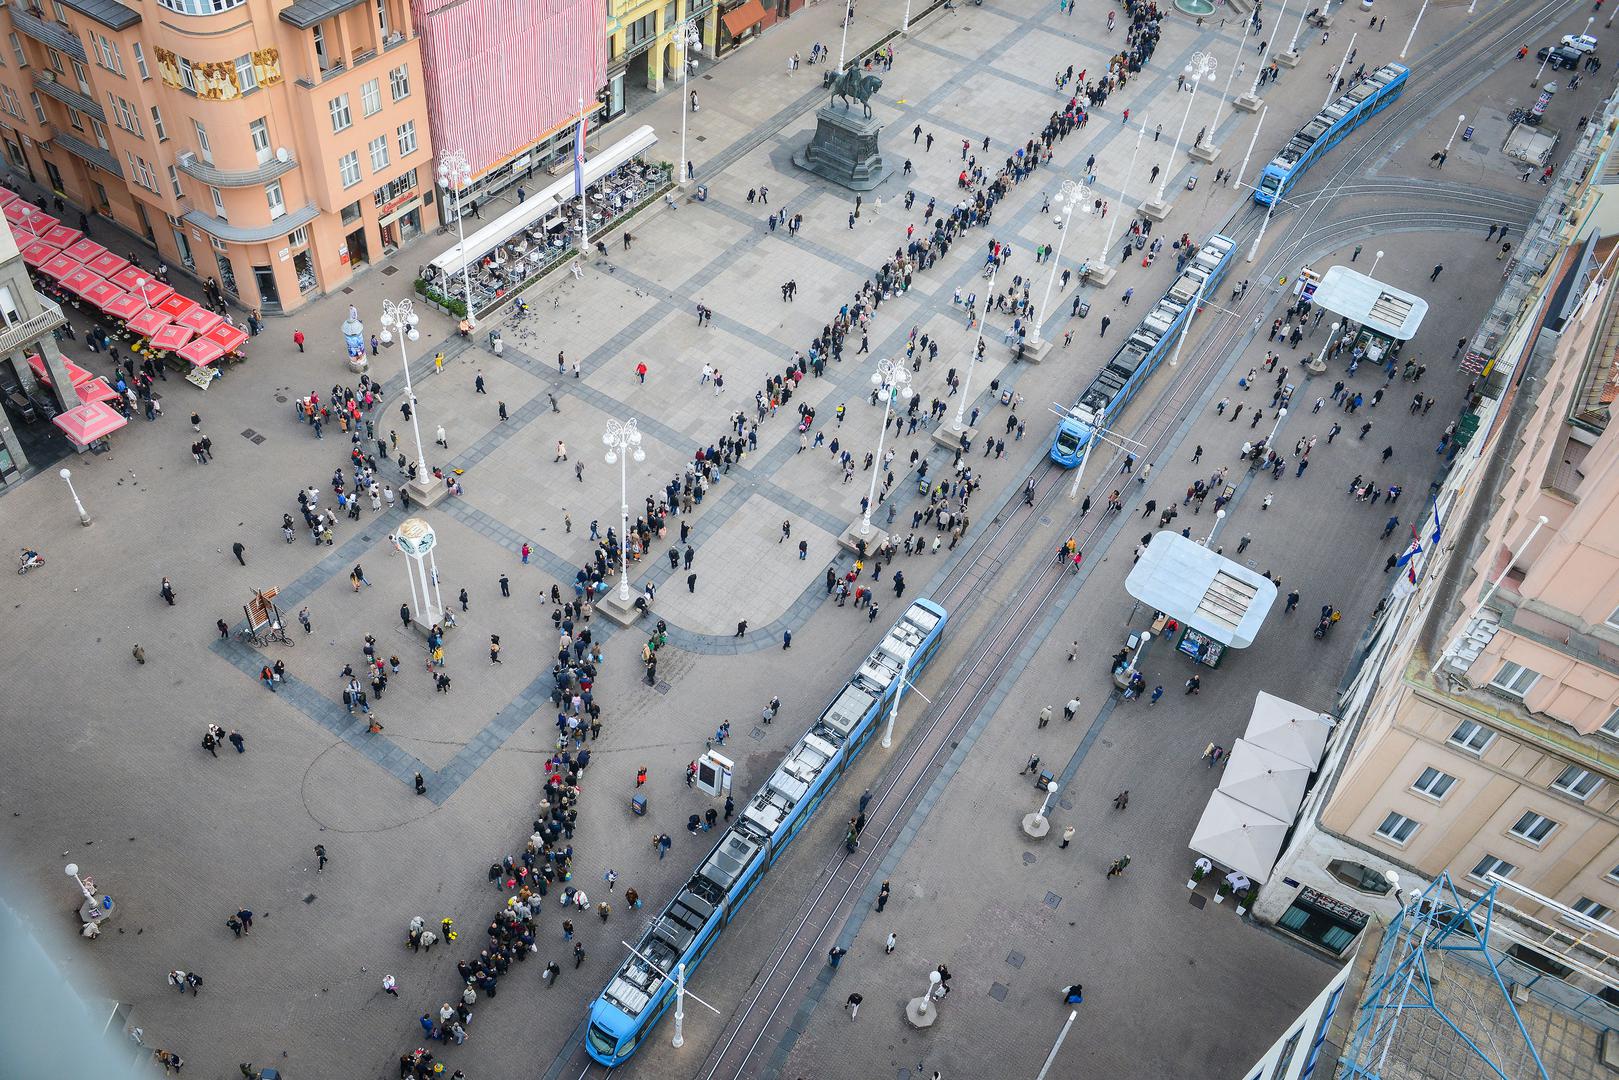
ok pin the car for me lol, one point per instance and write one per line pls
(1580, 43)
(1559, 56)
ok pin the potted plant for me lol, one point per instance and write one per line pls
(1198, 874)
(1246, 900)
(1222, 892)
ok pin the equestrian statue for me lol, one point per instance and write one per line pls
(853, 84)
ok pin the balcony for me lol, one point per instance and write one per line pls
(198, 169)
(252, 234)
(106, 12)
(48, 84)
(47, 32)
(101, 159)
(22, 336)
(306, 13)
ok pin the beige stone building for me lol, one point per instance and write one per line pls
(275, 147)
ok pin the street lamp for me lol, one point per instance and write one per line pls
(67, 477)
(1321, 360)
(454, 174)
(972, 359)
(402, 313)
(1219, 516)
(1423, 10)
(1202, 66)
(1107, 244)
(1265, 53)
(84, 885)
(889, 379)
(1376, 257)
(848, 17)
(688, 37)
(1270, 440)
(1045, 804)
(1214, 121)
(1069, 199)
(1337, 73)
(623, 440)
(1460, 120)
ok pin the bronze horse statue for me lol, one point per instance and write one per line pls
(852, 84)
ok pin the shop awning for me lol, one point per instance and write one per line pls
(82, 280)
(37, 253)
(59, 266)
(202, 352)
(227, 337)
(85, 249)
(174, 305)
(1237, 836)
(124, 306)
(1264, 780)
(740, 20)
(107, 264)
(93, 390)
(148, 322)
(75, 373)
(200, 319)
(87, 423)
(102, 292)
(1291, 731)
(62, 236)
(172, 337)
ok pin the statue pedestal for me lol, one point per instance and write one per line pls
(1288, 59)
(1248, 103)
(1205, 153)
(920, 1013)
(1098, 274)
(430, 493)
(844, 149)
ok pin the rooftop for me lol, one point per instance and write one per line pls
(1383, 308)
(1202, 588)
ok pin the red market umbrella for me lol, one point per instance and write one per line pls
(202, 352)
(107, 264)
(127, 277)
(172, 337)
(62, 236)
(94, 390)
(174, 305)
(37, 253)
(227, 337)
(81, 281)
(85, 249)
(155, 292)
(28, 218)
(200, 319)
(102, 292)
(75, 373)
(147, 322)
(87, 423)
(124, 306)
(7, 197)
(59, 266)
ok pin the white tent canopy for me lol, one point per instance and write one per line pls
(1289, 730)
(1234, 834)
(1264, 780)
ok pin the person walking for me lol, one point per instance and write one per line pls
(320, 857)
(889, 945)
(882, 897)
(390, 986)
(1067, 836)
(854, 1000)
(1045, 716)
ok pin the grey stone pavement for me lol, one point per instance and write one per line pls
(182, 840)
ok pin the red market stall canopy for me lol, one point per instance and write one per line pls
(59, 266)
(200, 319)
(85, 250)
(124, 306)
(75, 373)
(227, 337)
(107, 264)
(7, 197)
(202, 352)
(81, 281)
(87, 423)
(37, 253)
(62, 236)
(155, 292)
(148, 322)
(171, 337)
(30, 218)
(102, 292)
(95, 390)
(175, 305)
(127, 278)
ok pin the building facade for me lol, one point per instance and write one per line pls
(28, 322)
(1479, 729)
(275, 147)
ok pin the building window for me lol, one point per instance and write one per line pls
(107, 53)
(1491, 865)
(219, 203)
(1591, 909)
(298, 237)
(188, 78)
(157, 125)
(16, 50)
(101, 197)
(74, 117)
(82, 77)
(398, 81)
(174, 182)
(379, 153)
(39, 109)
(407, 138)
(200, 7)
(1533, 827)
(8, 307)
(1613, 620)
(8, 98)
(55, 59)
(1433, 783)
(259, 131)
(1577, 783)
(394, 189)
(1514, 679)
(342, 118)
(144, 174)
(205, 149)
(1472, 736)
(382, 17)
(351, 212)
(1359, 877)
(348, 168)
(273, 196)
(125, 115)
(246, 77)
(1610, 726)
(323, 59)
(371, 97)
(1397, 828)
(140, 60)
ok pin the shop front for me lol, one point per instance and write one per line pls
(741, 24)
(1323, 921)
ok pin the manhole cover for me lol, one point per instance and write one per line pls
(1015, 959)
(708, 76)
(281, 399)
(757, 732)
(998, 992)
(662, 688)
(256, 440)
(701, 138)
(348, 289)
(1028, 858)
(1198, 901)
(1052, 899)
(310, 899)
(366, 537)
(249, 433)
(389, 271)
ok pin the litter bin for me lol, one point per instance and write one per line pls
(1043, 781)
(638, 805)
(1084, 308)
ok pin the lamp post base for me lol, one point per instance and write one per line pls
(1157, 209)
(623, 612)
(1035, 351)
(84, 519)
(853, 539)
(1099, 274)
(920, 1013)
(430, 493)
(1248, 103)
(1315, 366)
(1205, 153)
(1288, 59)
(1036, 826)
(949, 433)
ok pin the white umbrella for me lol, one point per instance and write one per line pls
(1234, 834)
(1291, 730)
(1265, 780)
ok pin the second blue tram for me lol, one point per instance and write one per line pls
(1350, 110)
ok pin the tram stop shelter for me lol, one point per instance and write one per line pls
(1386, 315)
(1220, 604)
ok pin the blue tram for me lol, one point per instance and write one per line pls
(638, 993)
(1141, 353)
(1348, 112)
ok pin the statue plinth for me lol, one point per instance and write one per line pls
(844, 149)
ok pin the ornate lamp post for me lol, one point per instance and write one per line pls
(689, 38)
(454, 174)
(67, 478)
(402, 314)
(1068, 202)
(1202, 66)
(890, 379)
(623, 439)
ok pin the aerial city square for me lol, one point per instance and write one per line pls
(848, 539)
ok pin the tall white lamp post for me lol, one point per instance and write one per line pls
(1270, 440)
(1208, 146)
(890, 379)
(1219, 516)
(623, 440)
(454, 174)
(67, 477)
(1202, 66)
(689, 37)
(1338, 72)
(1423, 10)
(972, 360)
(1377, 258)
(1129, 174)
(848, 17)
(1460, 120)
(402, 314)
(1072, 196)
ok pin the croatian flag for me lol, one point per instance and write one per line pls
(579, 159)
(1411, 552)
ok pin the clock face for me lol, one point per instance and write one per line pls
(415, 537)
